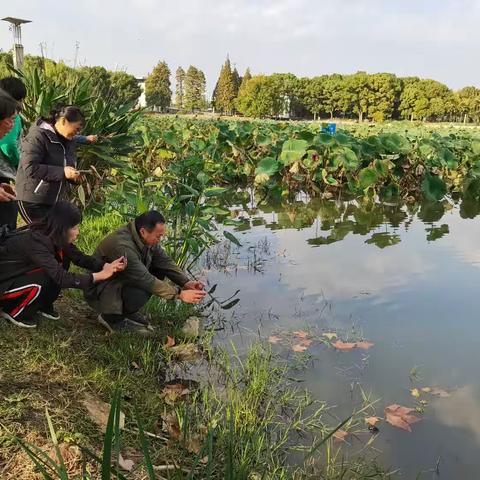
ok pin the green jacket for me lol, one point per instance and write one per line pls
(10, 150)
(105, 297)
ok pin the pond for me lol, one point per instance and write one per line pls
(403, 277)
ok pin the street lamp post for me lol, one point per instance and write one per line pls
(15, 26)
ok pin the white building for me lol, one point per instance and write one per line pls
(142, 102)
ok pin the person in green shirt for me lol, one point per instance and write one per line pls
(9, 148)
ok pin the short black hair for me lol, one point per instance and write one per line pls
(149, 220)
(58, 221)
(8, 106)
(14, 87)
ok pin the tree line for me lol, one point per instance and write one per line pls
(363, 96)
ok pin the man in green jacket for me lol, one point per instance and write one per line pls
(119, 300)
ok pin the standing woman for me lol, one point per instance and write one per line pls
(47, 162)
(8, 110)
(34, 265)
(10, 149)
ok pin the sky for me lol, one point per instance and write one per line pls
(432, 39)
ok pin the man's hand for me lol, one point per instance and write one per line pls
(92, 138)
(110, 269)
(194, 285)
(72, 174)
(7, 192)
(192, 296)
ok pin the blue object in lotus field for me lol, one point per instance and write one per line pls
(330, 128)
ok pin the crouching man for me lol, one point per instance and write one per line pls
(119, 300)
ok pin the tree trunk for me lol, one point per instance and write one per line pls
(360, 116)
(465, 118)
(331, 115)
(314, 116)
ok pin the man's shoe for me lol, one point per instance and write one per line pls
(25, 323)
(49, 312)
(138, 319)
(122, 326)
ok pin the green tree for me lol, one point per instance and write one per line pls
(256, 97)
(157, 87)
(236, 81)
(124, 88)
(285, 88)
(179, 88)
(6, 64)
(224, 92)
(335, 97)
(99, 79)
(468, 103)
(384, 88)
(195, 85)
(311, 93)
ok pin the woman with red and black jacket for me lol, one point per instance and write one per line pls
(34, 265)
(48, 163)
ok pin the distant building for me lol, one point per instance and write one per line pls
(142, 101)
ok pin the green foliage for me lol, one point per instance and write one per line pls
(180, 88)
(124, 88)
(256, 97)
(225, 90)
(157, 87)
(195, 85)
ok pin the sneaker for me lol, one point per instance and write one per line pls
(122, 326)
(25, 323)
(138, 319)
(49, 312)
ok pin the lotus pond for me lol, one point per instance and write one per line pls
(316, 277)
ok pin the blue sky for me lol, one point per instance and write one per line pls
(433, 39)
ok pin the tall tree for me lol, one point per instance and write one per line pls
(468, 103)
(194, 89)
(99, 79)
(236, 81)
(125, 88)
(224, 93)
(256, 97)
(180, 88)
(157, 87)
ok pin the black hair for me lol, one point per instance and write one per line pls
(8, 105)
(59, 219)
(14, 87)
(70, 112)
(149, 221)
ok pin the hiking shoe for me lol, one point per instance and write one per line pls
(49, 312)
(122, 326)
(24, 323)
(138, 319)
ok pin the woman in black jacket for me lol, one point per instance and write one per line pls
(34, 265)
(47, 162)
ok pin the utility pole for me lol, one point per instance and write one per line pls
(15, 27)
(77, 47)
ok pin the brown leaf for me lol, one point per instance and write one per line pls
(135, 365)
(372, 421)
(171, 425)
(344, 345)
(401, 417)
(125, 464)
(300, 334)
(437, 392)
(305, 342)
(174, 392)
(170, 342)
(99, 411)
(274, 339)
(299, 347)
(187, 352)
(364, 345)
(340, 435)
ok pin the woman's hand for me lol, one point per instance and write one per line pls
(194, 285)
(110, 269)
(72, 174)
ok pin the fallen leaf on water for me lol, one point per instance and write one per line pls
(414, 392)
(330, 335)
(299, 347)
(437, 392)
(174, 392)
(300, 334)
(340, 435)
(401, 417)
(170, 342)
(274, 339)
(372, 421)
(364, 345)
(344, 345)
(99, 411)
(125, 464)
(186, 351)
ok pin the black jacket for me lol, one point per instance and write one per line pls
(40, 176)
(27, 250)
